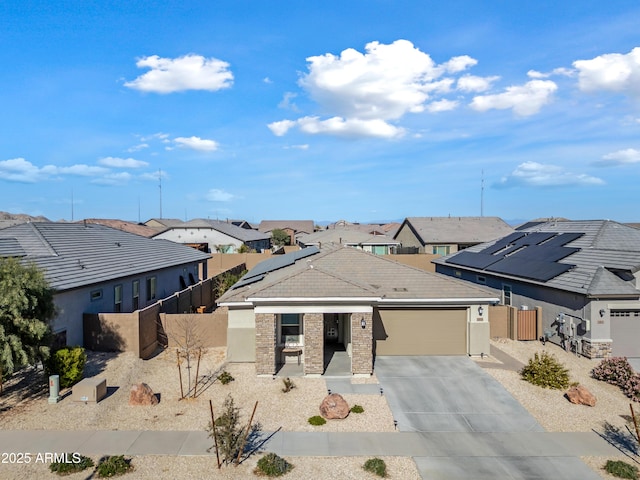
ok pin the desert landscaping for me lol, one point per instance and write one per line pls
(23, 408)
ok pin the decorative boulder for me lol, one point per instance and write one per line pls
(141, 394)
(581, 396)
(334, 406)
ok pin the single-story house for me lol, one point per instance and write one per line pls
(313, 299)
(294, 228)
(216, 236)
(376, 244)
(445, 235)
(585, 276)
(98, 269)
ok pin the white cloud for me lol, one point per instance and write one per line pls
(304, 146)
(613, 71)
(472, 83)
(137, 148)
(189, 72)
(534, 174)
(113, 179)
(281, 127)
(21, 170)
(116, 162)
(287, 103)
(525, 99)
(267, 80)
(442, 105)
(217, 195)
(621, 157)
(365, 91)
(565, 72)
(197, 143)
(154, 176)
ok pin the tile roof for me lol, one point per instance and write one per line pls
(299, 226)
(137, 228)
(74, 255)
(344, 272)
(344, 236)
(458, 229)
(605, 248)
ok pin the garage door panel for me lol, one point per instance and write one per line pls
(421, 332)
(625, 331)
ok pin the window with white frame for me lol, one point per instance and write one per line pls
(136, 294)
(291, 329)
(441, 249)
(506, 294)
(151, 288)
(117, 298)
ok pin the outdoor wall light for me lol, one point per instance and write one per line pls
(602, 312)
(363, 323)
(480, 310)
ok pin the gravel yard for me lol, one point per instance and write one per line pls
(22, 408)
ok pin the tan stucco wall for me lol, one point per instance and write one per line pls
(209, 329)
(221, 262)
(241, 336)
(421, 260)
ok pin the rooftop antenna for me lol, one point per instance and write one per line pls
(160, 187)
(72, 204)
(482, 195)
(139, 220)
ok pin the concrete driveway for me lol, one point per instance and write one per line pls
(490, 435)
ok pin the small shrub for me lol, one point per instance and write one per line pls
(357, 409)
(68, 363)
(272, 465)
(621, 469)
(632, 388)
(288, 385)
(317, 420)
(376, 466)
(614, 370)
(67, 468)
(545, 371)
(225, 378)
(112, 466)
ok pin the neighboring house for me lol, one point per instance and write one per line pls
(445, 235)
(377, 244)
(97, 269)
(215, 236)
(584, 275)
(294, 228)
(162, 223)
(137, 228)
(315, 300)
(371, 228)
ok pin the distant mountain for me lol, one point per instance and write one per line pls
(8, 219)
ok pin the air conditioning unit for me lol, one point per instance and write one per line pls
(524, 307)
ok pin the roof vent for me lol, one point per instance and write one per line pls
(399, 289)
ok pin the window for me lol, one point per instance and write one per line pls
(290, 329)
(96, 295)
(117, 298)
(151, 288)
(441, 249)
(506, 294)
(136, 295)
(481, 279)
(380, 250)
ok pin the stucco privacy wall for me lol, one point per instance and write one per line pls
(207, 329)
(241, 335)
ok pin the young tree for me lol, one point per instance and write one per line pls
(279, 237)
(26, 306)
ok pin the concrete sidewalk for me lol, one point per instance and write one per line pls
(316, 444)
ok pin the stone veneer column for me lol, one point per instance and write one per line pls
(265, 344)
(596, 349)
(361, 344)
(313, 343)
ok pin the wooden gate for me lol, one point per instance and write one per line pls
(527, 325)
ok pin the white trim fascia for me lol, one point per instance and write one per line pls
(235, 304)
(315, 300)
(314, 309)
(461, 301)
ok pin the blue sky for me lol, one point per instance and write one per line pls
(364, 111)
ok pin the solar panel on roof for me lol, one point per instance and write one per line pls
(535, 238)
(563, 239)
(503, 242)
(532, 269)
(473, 260)
(247, 281)
(277, 262)
(544, 253)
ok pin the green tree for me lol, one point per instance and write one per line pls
(26, 306)
(279, 237)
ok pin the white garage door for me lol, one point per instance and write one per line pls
(625, 333)
(421, 332)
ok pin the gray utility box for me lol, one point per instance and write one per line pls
(89, 390)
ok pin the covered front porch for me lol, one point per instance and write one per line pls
(333, 341)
